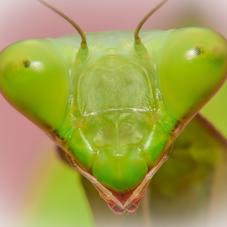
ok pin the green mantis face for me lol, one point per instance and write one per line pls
(116, 106)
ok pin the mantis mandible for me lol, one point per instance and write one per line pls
(114, 102)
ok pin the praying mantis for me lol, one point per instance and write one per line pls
(115, 102)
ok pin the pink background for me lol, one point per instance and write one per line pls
(22, 144)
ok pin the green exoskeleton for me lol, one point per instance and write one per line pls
(114, 104)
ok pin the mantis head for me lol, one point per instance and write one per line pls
(115, 106)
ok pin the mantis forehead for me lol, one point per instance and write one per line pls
(110, 83)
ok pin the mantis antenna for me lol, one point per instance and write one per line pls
(146, 17)
(73, 23)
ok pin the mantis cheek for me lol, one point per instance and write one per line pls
(81, 148)
(119, 173)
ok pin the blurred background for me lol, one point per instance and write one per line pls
(25, 151)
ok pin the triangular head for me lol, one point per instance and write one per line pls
(113, 104)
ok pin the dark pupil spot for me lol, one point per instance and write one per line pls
(26, 63)
(198, 51)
